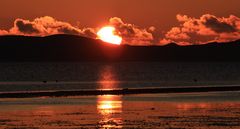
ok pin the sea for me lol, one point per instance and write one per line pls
(98, 75)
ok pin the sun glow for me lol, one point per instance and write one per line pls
(107, 34)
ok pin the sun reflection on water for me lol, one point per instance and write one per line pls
(109, 107)
(107, 79)
(109, 104)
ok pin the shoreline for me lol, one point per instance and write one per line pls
(119, 92)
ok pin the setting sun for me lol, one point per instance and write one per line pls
(107, 34)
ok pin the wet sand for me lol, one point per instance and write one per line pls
(217, 110)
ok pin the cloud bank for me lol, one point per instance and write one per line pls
(190, 31)
(132, 34)
(47, 25)
(207, 28)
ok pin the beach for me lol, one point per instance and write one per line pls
(217, 110)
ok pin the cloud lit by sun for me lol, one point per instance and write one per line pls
(107, 34)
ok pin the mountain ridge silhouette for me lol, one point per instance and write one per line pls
(68, 48)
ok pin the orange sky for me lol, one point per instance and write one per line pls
(94, 13)
(160, 13)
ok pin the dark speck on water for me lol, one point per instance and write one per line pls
(152, 108)
(195, 80)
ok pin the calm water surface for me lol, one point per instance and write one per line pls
(96, 75)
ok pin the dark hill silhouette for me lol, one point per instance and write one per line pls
(76, 48)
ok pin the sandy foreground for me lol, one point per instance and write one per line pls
(218, 110)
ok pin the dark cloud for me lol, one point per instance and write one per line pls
(217, 25)
(26, 27)
(89, 32)
(67, 30)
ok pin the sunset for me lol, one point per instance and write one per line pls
(155, 22)
(119, 64)
(107, 34)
